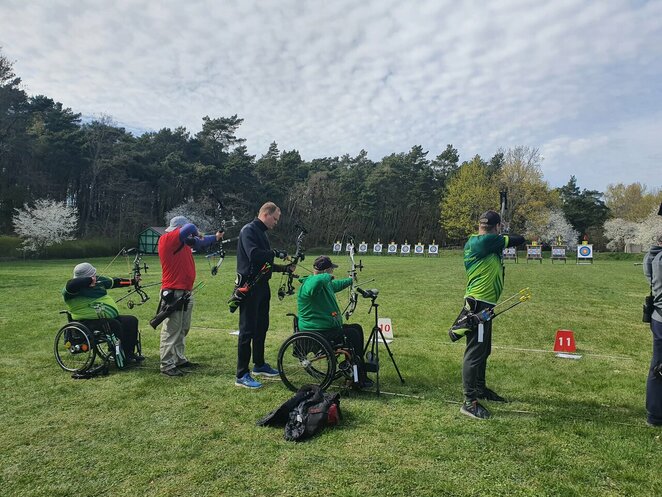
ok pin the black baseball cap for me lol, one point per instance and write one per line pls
(490, 218)
(323, 262)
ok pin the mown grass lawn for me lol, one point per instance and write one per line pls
(574, 427)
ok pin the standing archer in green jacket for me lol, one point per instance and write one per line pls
(319, 312)
(483, 263)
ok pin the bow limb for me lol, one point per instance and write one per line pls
(353, 273)
(505, 222)
(287, 287)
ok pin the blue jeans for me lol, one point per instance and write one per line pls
(654, 384)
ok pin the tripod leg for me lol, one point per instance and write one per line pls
(388, 349)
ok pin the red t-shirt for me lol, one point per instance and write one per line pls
(178, 268)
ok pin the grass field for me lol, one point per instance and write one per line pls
(574, 427)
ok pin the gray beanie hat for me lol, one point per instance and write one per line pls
(176, 222)
(84, 270)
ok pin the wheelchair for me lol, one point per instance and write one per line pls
(77, 347)
(307, 357)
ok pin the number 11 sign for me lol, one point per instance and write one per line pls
(565, 341)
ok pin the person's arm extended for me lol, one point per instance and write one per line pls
(514, 240)
(190, 235)
(339, 285)
(77, 284)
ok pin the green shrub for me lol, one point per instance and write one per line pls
(10, 247)
(82, 249)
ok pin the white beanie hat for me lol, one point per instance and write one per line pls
(84, 270)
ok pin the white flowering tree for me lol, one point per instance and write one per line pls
(556, 226)
(196, 212)
(46, 223)
(649, 230)
(619, 232)
(645, 232)
(203, 214)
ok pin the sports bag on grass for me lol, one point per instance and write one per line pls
(307, 413)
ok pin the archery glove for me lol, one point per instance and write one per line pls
(281, 254)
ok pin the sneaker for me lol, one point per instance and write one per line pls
(172, 372)
(265, 370)
(474, 410)
(488, 394)
(247, 381)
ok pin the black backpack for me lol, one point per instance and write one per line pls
(308, 412)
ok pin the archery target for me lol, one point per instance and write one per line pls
(404, 249)
(349, 247)
(433, 249)
(584, 251)
(392, 248)
(418, 249)
(363, 248)
(377, 248)
(337, 248)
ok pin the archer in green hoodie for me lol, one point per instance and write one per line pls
(319, 312)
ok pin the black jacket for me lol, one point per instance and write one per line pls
(253, 249)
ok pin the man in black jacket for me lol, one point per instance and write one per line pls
(253, 251)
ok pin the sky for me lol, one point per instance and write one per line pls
(581, 81)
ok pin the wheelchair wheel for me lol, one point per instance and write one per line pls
(73, 349)
(344, 365)
(103, 347)
(306, 358)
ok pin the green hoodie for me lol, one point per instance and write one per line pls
(316, 300)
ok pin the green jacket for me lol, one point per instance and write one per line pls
(80, 298)
(316, 300)
(484, 266)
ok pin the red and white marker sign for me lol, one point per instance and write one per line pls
(565, 341)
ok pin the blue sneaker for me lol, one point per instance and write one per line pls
(265, 370)
(247, 381)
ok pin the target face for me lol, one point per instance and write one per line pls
(377, 247)
(433, 249)
(418, 249)
(363, 248)
(585, 251)
(405, 249)
(337, 247)
(392, 249)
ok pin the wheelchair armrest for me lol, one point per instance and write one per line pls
(68, 315)
(295, 322)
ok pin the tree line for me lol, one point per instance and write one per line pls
(120, 183)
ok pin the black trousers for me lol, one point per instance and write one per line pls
(354, 334)
(123, 327)
(253, 326)
(475, 357)
(653, 383)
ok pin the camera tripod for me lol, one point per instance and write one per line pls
(371, 350)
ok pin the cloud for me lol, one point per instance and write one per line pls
(329, 78)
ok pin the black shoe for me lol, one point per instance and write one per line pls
(134, 359)
(189, 365)
(366, 383)
(474, 410)
(172, 372)
(488, 394)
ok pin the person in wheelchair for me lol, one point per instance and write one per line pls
(318, 311)
(87, 290)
